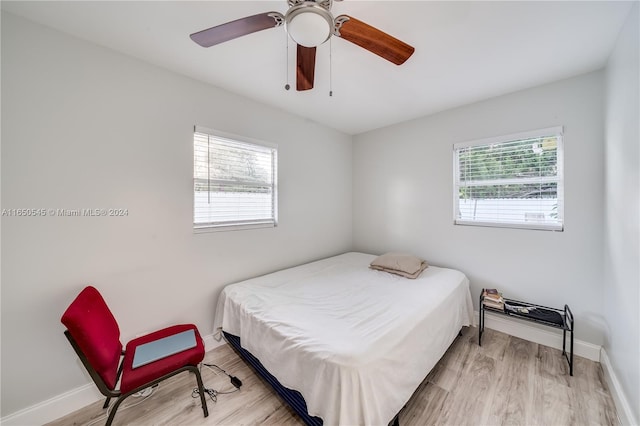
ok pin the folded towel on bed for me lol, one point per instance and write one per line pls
(401, 264)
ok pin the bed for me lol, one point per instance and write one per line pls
(354, 342)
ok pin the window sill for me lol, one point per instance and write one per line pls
(530, 226)
(202, 229)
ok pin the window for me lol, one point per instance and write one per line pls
(510, 181)
(234, 182)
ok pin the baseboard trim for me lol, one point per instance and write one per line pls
(54, 408)
(70, 401)
(210, 342)
(547, 336)
(625, 414)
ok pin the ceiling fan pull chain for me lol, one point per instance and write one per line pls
(287, 86)
(330, 68)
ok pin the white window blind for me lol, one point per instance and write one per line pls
(234, 182)
(511, 181)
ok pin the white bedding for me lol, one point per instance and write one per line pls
(355, 342)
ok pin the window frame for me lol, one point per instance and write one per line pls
(236, 225)
(556, 131)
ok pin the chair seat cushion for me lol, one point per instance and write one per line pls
(133, 378)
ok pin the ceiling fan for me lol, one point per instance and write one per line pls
(310, 23)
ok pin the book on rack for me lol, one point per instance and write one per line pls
(492, 298)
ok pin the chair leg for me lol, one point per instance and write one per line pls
(205, 409)
(112, 414)
(192, 368)
(106, 402)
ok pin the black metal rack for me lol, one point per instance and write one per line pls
(566, 323)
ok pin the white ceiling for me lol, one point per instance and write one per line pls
(465, 51)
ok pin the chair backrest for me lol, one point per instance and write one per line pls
(96, 333)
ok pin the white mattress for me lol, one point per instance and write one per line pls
(355, 342)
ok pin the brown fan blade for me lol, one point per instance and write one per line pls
(238, 28)
(372, 39)
(306, 67)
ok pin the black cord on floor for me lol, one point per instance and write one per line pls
(213, 394)
(234, 380)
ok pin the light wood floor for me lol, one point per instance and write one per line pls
(506, 381)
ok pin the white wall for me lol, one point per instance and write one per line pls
(84, 127)
(403, 198)
(621, 293)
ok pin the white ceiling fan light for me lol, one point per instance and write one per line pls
(309, 24)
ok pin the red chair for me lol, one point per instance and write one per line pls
(94, 334)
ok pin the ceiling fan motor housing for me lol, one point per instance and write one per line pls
(309, 23)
